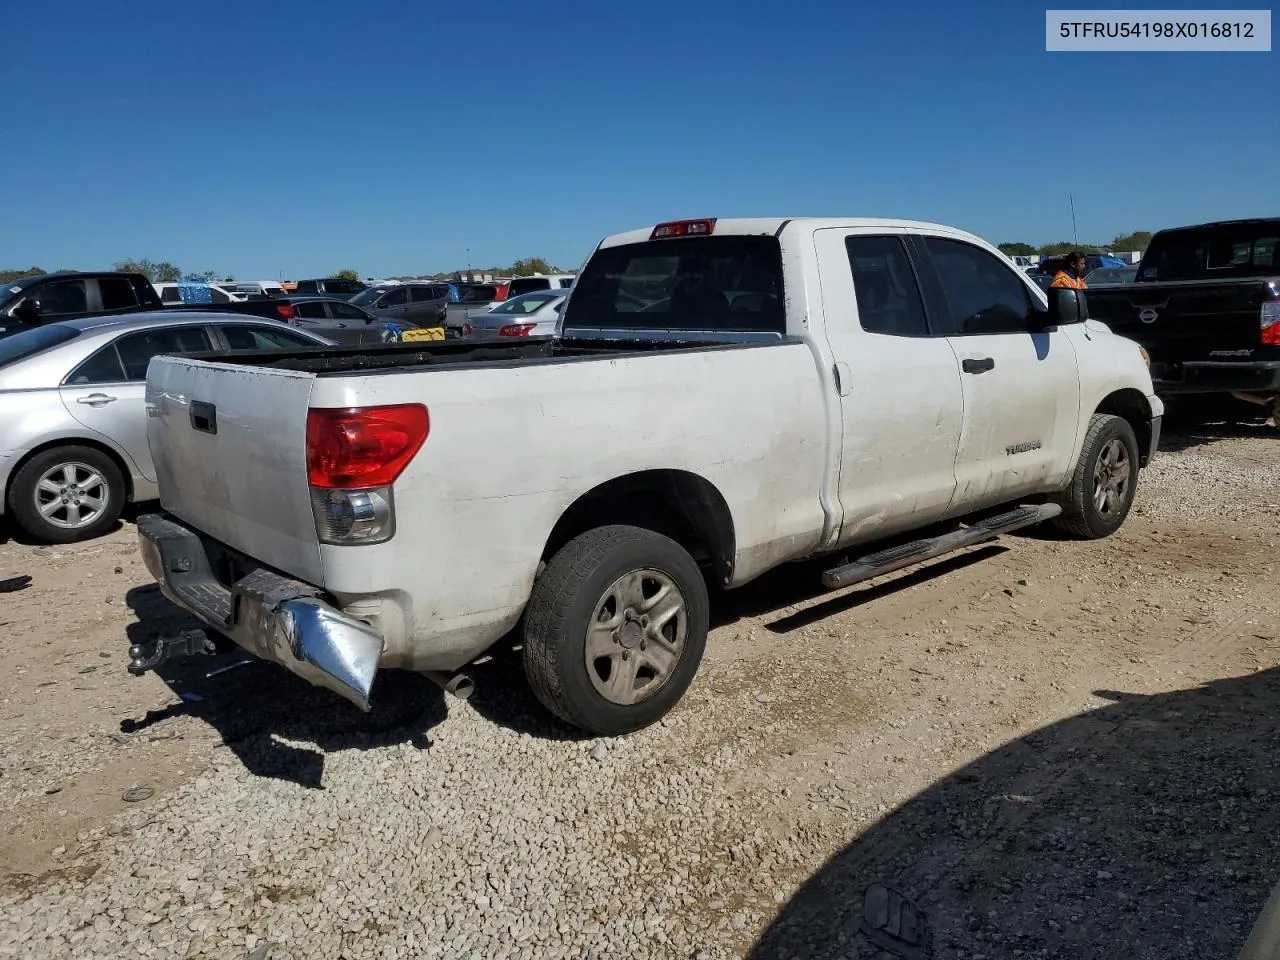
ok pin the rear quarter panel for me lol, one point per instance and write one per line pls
(510, 449)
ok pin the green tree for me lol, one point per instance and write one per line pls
(346, 273)
(1130, 242)
(162, 272)
(206, 276)
(1064, 246)
(522, 268)
(1016, 249)
(9, 275)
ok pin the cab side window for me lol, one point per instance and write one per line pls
(885, 287)
(60, 298)
(984, 294)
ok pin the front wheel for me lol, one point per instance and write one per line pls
(615, 629)
(1104, 481)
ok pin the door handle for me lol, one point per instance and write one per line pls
(96, 399)
(980, 365)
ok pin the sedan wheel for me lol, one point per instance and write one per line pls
(67, 494)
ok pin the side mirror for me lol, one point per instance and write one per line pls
(29, 311)
(1067, 305)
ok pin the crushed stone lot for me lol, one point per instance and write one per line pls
(1056, 749)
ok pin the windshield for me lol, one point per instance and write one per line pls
(686, 283)
(1209, 253)
(529, 303)
(28, 343)
(370, 295)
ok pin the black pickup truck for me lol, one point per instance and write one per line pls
(50, 297)
(1206, 306)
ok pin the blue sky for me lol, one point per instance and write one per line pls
(292, 139)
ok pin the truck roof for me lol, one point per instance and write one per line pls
(772, 226)
(1213, 224)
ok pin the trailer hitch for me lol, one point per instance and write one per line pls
(151, 654)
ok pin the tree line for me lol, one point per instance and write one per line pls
(1125, 243)
(163, 271)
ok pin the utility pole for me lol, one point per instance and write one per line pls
(1075, 238)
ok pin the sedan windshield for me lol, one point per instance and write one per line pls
(28, 343)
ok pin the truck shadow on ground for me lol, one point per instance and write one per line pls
(256, 708)
(1143, 829)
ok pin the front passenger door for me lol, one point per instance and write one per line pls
(1021, 389)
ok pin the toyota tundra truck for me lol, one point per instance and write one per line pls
(722, 397)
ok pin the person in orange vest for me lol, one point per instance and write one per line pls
(1072, 274)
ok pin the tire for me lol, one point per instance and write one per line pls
(97, 477)
(611, 570)
(1086, 512)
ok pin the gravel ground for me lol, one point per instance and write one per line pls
(1020, 739)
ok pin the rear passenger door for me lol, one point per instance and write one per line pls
(1021, 389)
(899, 390)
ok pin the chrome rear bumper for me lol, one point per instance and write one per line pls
(273, 617)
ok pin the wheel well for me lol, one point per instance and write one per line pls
(125, 471)
(1132, 406)
(675, 503)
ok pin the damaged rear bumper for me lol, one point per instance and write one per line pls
(271, 616)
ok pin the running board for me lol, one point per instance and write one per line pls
(918, 551)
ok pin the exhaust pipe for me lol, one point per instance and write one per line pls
(458, 684)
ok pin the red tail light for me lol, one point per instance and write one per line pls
(357, 447)
(516, 329)
(286, 311)
(501, 292)
(1270, 321)
(684, 228)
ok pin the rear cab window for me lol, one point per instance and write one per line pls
(727, 282)
(1210, 253)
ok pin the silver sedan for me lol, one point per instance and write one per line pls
(73, 426)
(530, 315)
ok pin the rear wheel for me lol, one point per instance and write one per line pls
(1104, 482)
(615, 629)
(67, 494)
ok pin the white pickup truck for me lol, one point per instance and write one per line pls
(723, 396)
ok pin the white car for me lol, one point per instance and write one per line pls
(723, 397)
(259, 289)
(530, 315)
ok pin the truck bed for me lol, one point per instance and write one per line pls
(400, 357)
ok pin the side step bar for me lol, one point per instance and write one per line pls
(895, 558)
